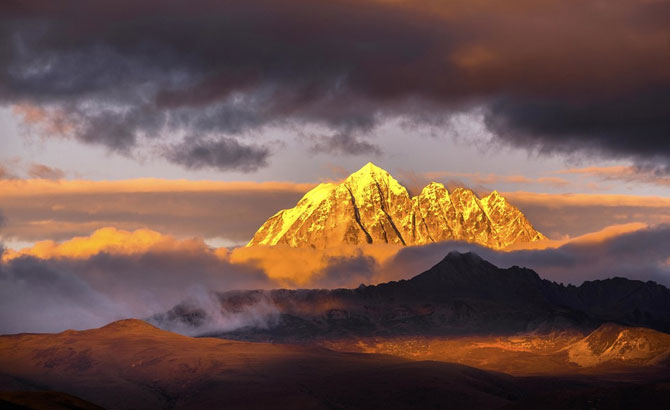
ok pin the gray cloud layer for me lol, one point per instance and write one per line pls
(222, 153)
(54, 295)
(554, 76)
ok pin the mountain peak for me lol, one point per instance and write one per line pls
(470, 257)
(432, 186)
(129, 324)
(370, 206)
(368, 170)
(371, 167)
(370, 173)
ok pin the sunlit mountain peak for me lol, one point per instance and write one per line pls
(370, 206)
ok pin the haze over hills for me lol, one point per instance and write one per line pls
(370, 206)
(461, 295)
(463, 310)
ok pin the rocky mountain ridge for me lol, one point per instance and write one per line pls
(461, 295)
(370, 206)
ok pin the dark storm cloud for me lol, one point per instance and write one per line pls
(344, 143)
(636, 124)
(222, 153)
(554, 75)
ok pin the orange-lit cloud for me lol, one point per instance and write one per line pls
(289, 267)
(285, 266)
(108, 240)
(298, 267)
(30, 187)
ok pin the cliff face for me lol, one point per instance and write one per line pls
(370, 206)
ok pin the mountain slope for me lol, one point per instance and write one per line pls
(609, 348)
(370, 206)
(130, 364)
(626, 345)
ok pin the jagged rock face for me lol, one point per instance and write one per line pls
(370, 206)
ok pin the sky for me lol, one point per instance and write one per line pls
(196, 121)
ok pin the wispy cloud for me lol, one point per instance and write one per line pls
(42, 171)
(493, 179)
(15, 168)
(633, 174)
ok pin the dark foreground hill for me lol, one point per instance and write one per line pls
(132, 365)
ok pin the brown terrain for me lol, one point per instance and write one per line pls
(610, 348)
(132, 365)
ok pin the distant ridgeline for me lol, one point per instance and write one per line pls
(461, 295)
(370, 206)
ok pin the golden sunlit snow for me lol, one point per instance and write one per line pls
(370, 206)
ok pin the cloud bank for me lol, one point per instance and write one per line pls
(87, 282)
(551, 76)
(90, 281)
